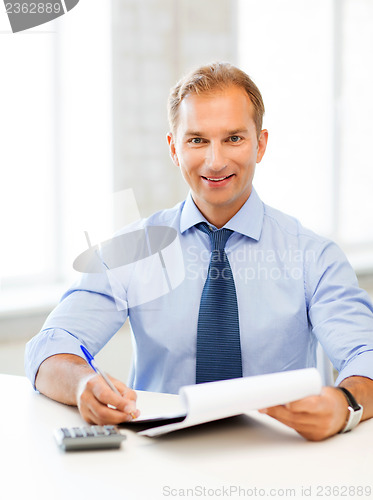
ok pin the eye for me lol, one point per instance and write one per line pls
(196, 140)
(235, 138)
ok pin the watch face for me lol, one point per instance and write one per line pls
(353, 419)
(355, 410)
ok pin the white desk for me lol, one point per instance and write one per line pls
(248, 452)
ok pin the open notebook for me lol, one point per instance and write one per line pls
(197, 404)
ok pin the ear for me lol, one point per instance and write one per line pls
(171, 145)
(262, 145)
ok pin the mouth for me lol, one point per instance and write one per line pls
(217, 181)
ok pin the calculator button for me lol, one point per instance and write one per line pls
(93, 437)
(99, 431)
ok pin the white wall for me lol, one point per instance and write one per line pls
(153, 43)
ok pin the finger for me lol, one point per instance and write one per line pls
(105, 395)
(308, 427)
(124, 409)
(92, 409)
(127, 394)
(130, 396)
(315, 417)
(311, 404)
(288, 417)
(90, 417)
(95, 399)
(96, 418)
(86, 412)
(124, 389)
(104, 415)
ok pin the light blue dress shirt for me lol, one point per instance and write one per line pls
(294, 288)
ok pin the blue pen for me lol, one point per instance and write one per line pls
(92, 363)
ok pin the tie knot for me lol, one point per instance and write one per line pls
(218, 237)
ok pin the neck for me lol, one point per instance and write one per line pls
(218, 215)
(216, 219)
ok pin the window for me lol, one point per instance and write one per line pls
(28, 144)
(56, 129)
(309, 58)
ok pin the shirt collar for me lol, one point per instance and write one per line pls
(247, 221)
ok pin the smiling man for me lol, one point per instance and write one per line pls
(216, 144)
(260, 291)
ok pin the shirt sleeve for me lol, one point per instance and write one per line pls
(341, 313)
(89, 313)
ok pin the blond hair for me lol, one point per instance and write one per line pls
(205, 79)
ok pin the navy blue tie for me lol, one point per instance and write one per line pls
(218, 334)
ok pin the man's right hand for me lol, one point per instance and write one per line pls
(69, 379)
(98, 404)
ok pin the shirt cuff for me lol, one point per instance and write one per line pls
(46, 344)
(361, 366)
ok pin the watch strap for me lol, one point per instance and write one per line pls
(355, 411)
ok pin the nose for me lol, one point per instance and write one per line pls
(215, 158)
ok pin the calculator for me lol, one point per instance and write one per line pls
(93, 437)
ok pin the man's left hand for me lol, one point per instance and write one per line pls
(315, 417)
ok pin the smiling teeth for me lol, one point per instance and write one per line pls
(221, 178)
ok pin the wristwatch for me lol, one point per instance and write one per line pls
(355, 411)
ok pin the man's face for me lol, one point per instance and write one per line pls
(216, 147)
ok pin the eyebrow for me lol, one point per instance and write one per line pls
(237, 131)
(195, 133)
